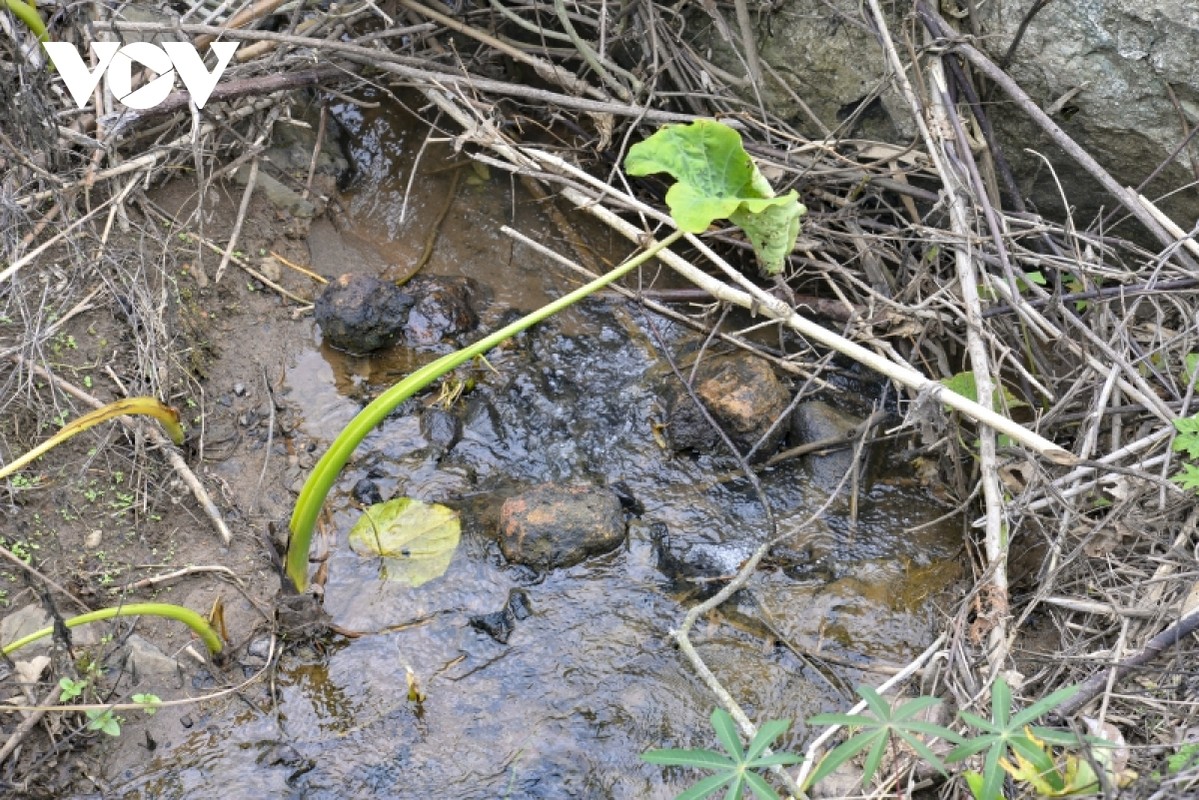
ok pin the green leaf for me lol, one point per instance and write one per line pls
(965, 384)
(770, 730)
(70, 689)
(1187, 440)
(416, 540)
(760, 787)
(1043, 706)
(104, 721)
(842, 753)
(709, 786)
(703, 759)
(1187, 477)
(774, 759)
(716, 179)
(726, 732)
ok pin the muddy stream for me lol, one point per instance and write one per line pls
(587, 678)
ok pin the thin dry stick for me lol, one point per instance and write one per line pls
(251, 183)
(1179, 631)
(155, 580)
(27, 724)
(6, 553)
(995, 535)
(155, 435)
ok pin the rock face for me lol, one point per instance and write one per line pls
(360, 313)
(1126, 58)
(743, 396)
(552, 526)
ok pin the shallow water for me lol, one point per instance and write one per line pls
(591, 679)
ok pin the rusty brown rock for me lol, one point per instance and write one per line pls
(742, 394)
(553, 525)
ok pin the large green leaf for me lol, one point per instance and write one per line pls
(716, 179)
(416, 540)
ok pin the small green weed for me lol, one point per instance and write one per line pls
(877, 729)
(1187, 442)
(735, 770)
(1006, 731)
(104, 721)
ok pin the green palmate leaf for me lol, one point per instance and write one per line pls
(1187, 477)
(734, 772)
(416, 540)
(878, 727)
(1187, 440)
(716, 179)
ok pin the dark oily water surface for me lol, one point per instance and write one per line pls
(589, 679)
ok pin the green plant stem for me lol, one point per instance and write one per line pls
(27, 14)
(320, 481)
(190, 618)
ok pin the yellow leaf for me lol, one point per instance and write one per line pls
(416, 540)
(146, 406)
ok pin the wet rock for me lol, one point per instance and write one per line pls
(442, 308)
(367, 492)
(360, 313)
(816, 421)
(744, 397)
(441, 428)
(705, 564)
(558, 526)
(499, 625)
(149, 666)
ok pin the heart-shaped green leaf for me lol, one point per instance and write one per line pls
(416, 540)
(716, 179)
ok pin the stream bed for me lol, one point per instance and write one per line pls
(586, 676)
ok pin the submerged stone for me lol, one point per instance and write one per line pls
(816, 421)
(554, 525)
(744, 397)
(360, 313)
(704, 565)
(442, 309)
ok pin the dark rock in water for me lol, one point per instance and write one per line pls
(367, 492)
(519, 604)
(499, 625)
(442, 308)
(360, 313)
(706, 565)
(558, 526)
(744, 397)
(816, 421)
(441, 428)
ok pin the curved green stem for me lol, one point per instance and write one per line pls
(190, 618)
(320, 481)
(28, 14)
